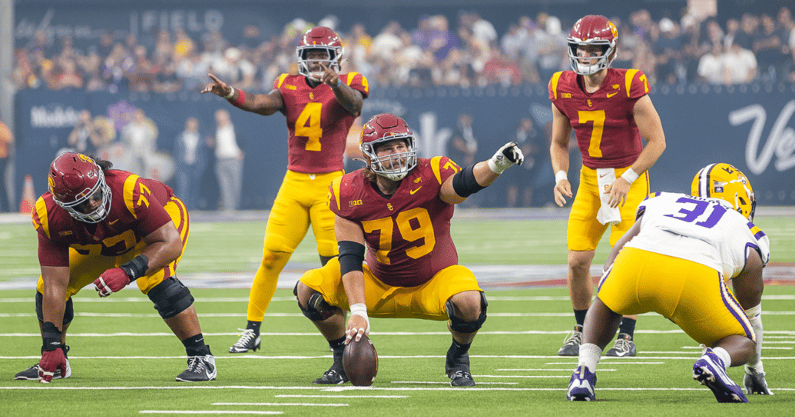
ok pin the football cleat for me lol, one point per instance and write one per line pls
(200, 368)
(461, 378)
(248, 341)
(334, 376)
(755, 382)
(571, 346)
(32, 373)
(457, 369)
(624, 347)
(709, 371)
(581, 386)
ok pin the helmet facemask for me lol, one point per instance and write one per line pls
(602, 61)
(333, 58)
(393, 166)
(82, 202)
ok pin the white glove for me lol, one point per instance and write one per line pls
(506, 156)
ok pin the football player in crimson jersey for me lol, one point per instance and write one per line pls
(610, 112)
(674, 261)
(110, 227)
(320, 105)
(399, 207)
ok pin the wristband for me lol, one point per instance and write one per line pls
(241, 98)
(560, 176)
(136, 268)
(231, 93)
(50, 336)
(339, 81)
(630, 175)
(359, 309)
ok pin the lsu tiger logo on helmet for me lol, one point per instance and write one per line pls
(728, 183)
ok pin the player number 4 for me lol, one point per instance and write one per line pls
(308, 126)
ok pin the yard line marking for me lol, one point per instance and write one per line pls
(604, 360)
(549, 369)
(523, 376)
(286, 404)
(338, 396)
(351, 388)
(448, 383)
(574, 364)
(208, 412)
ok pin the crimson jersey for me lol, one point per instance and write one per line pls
(602, 121)
(408, 233)
(318, 125)
(136, 210)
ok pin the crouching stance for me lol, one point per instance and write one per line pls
(673, 261)
(110, 227)
(399, 207)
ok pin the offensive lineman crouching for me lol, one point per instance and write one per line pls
(399, 207)
(110, 227)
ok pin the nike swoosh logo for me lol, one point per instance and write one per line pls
(603, 175)
(113, 221)
(414, 191)
(611, 94)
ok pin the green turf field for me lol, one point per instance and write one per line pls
(124, 358)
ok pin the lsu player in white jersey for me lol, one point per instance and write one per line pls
(675, 260)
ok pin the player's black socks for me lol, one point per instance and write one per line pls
(458, 349)
(194, 346)
(627, 326)
(338, 347)
(254, 325)
(579, 316)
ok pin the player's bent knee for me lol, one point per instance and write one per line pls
(170, 297)
(459, 325)
(68, 313)
(317, 309)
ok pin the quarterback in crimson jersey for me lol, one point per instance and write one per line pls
(675, 260)
(110, 227)
(399, 207)
(320, 105)
(610, 112)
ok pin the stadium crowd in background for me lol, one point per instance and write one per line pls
(437, 52)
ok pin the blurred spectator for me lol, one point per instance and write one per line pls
(6, 146)
(501, 70)
(388, 43)
(86, 137)
(520, 181)
(117, 67)
(140, 139)
(228, 161)
(190, 159)
(251, 38)
(741, 65)
(463, 145)
(770, 49)
(749, 29)
(667, 48)
(68, 76)
(441, 40)
(421, 35)
(551, 47)
(732, 30)
(183, 44)
(711, 67)
(234, 68)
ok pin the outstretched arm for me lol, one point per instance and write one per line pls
(264, 104)
(474, 178)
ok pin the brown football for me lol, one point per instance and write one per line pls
(360, 362)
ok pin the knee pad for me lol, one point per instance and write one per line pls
(317, 308)
(170, 297)
(68, 313)
(463, 326)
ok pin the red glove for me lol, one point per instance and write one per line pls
(111, 281)
(51, 361)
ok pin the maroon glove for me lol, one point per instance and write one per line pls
(51, 361)
(111, 281)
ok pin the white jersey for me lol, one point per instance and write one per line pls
(703, 230)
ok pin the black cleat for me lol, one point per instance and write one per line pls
(334, 376)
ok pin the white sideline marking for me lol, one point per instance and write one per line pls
(523, 376)
(207, 412)
(604, 360)
(574, 364)
(285, 404)
(336, 389)
(448, 383)
(338, 396)
(552, 370)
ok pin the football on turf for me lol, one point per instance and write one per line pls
(360, 361)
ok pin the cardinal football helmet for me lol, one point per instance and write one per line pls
(74, 180)
(593, 30)
(384, 128)
(728, 183)
(319, 38)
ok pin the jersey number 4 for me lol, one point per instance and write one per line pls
(414, 224)
(308, 126)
